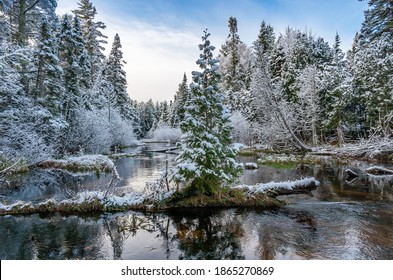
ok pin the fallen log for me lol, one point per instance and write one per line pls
(273, 189)
(165, 150)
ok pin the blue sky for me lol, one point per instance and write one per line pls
(160, 37)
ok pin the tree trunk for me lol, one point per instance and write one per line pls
(314, 112)
(22, 32)
(340, 134)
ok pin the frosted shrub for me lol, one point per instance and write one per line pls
(26, 144)
(166, 133)
(89, 132)
(121, 132)
(242, 129)
(93, 132)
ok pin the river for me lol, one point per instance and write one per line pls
(342, 220)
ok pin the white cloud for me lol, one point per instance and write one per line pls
(156, 56)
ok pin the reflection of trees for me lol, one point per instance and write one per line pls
(207, 235)
(53, 237)
(120, 227)
(41, 184)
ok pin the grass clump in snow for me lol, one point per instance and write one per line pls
(225, 197)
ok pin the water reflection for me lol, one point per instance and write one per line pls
(209, 235)
(41, 184)
(300, 231)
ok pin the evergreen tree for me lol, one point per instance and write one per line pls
(117, 77)
(207, 159)
(231, 68)
(310, 86)
(378, 20)
(356, 112)
(23, 16)
(69, 54)
(164, 114)
(338, 83)
(147, 116)
(266, 38)
(82, 55)
(92, 35)
(263, 48)
(48, 81)
(373, 78)
(177, 109)
(373, 73)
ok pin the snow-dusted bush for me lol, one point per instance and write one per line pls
(242, 129)
(89, 132)
(26, 144)
(166, 133)
(30, 133)
(92, 131)
(121, 132)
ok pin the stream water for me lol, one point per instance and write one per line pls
(343, 220)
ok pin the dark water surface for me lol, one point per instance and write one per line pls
(343, 220)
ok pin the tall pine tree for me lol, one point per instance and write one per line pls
(178, 107)
(117, 77)
(93, 37)
(48, 81)
(207, 159)
(232, 70)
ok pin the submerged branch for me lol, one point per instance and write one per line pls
(9, 169)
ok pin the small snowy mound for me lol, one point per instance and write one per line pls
(81, 163)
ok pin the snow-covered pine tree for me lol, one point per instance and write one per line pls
(147, 116)
(338, 83)
(233, 72)
(48, 83)
(117, 76)
(373, 75)
(310, 86)
(82, 55)
(177, 109)
(378, 19)
(23, 16)
(70, 50)
(102, 93)
(92, 35)
(207, 159)
(356, 112)
(262, 54)
(266, 38)
(164, 114)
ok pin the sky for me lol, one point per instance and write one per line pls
(160, 37)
